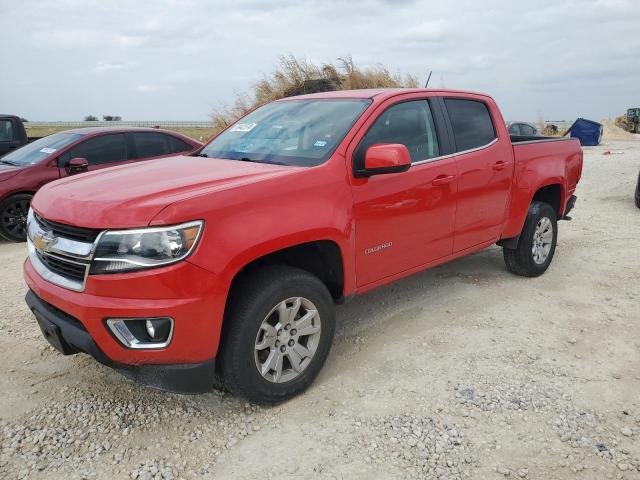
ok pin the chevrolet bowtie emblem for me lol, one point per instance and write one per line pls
(43, 241)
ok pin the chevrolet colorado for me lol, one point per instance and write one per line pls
(226, 263)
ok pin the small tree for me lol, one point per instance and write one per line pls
(295, 76)
(107, 118)
(90, 118)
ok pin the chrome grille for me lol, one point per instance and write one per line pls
(61, 254)
(63, 266)
(68, 231)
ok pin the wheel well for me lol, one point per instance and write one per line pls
(321, 258)
(13, 194)
(551, 194)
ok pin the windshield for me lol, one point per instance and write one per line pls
(292, 132)
(36, 151)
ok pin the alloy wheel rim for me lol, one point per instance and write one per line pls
(542, 240)
(287, 340)
(14, 218)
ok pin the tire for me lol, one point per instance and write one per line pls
(637, 196)
(254, 320)
(13, 217)
(522, 260)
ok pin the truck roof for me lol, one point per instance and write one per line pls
(380, 93)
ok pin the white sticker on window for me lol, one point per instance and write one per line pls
(243, 127)
(320, 143)
(48, 150)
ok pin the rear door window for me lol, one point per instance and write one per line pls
(97, 150)
(471, 122)
(514, 129)
(527, 130)
(151, 144)
(176, 145)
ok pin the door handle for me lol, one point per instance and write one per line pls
(500, 165)
(442, 180)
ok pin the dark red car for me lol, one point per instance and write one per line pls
(24, 171)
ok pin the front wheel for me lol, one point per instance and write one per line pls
(13, 217)
(277, 335)
(537, 242)
(638, 192)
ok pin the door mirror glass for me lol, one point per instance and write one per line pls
(386, 158)
(77, 165)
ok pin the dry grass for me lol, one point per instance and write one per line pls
(296, 76)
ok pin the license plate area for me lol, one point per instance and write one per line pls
(53, 335)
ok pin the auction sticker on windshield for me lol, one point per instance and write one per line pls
(243, 127)
(47, 150)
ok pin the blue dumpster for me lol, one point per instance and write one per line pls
(587, 131)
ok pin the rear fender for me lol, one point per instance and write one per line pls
(519, 208)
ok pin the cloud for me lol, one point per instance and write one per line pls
(103, 66)
(150, 88)
(174, 59)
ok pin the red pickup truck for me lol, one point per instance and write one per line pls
(226, 263)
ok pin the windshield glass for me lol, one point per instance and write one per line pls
(36, 151)
(292, 132)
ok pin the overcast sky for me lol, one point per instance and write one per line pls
(179, 59)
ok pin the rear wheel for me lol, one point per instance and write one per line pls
(278, 333)
(638, 192)
(537, 242)
(13, 217)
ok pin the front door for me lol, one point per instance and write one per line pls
(404, 220)
(100, 151)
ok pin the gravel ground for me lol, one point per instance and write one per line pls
(464, 371)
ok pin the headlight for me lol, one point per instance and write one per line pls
(127, 250)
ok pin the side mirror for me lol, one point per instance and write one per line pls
(385, 158)
(77, 165)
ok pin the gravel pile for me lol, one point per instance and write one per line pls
(421, 447)
(581, 429)
(528, 395)
(81, 436)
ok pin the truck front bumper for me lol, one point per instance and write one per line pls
(67, 335)
(76, 322)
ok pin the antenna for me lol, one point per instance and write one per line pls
(427, 84)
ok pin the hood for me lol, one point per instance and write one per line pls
(131, 195)
(8, 171)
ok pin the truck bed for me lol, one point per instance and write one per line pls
(535, 138)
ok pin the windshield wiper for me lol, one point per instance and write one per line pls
(200, 155)
(7, 162)
(247, 159)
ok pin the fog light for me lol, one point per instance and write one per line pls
(142, 332)
(150, 329)
(158, 329)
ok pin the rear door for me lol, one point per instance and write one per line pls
(100, 151)
(484, 157)
(404, 220)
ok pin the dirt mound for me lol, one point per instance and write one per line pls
(611, 132)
